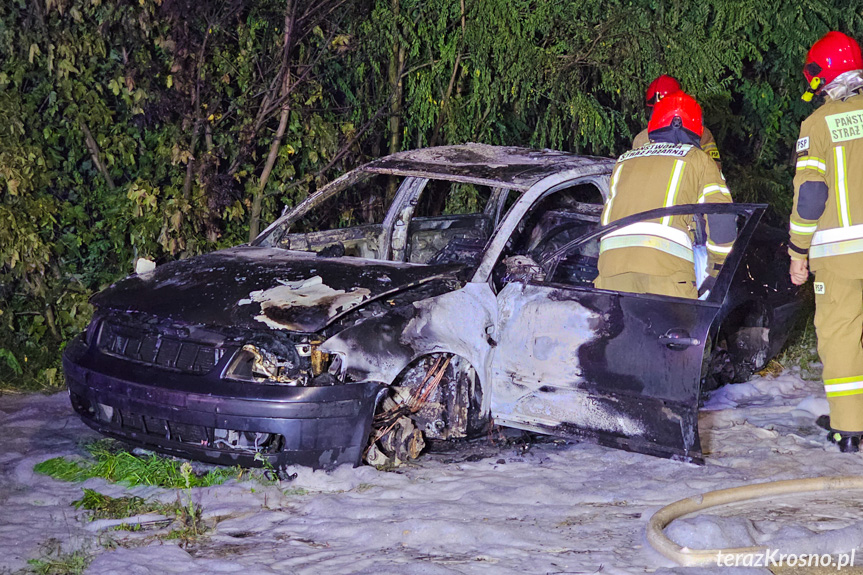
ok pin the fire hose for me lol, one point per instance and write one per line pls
(707, 557)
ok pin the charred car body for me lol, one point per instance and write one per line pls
(468, 298)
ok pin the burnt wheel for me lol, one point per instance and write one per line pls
(744, 345)
(439, 397)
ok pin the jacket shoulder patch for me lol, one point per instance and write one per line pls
(846, 126)
(657, 149)
(803, 144)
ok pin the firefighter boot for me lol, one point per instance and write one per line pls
(847, 442)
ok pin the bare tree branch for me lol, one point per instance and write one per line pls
(257, 199)
(272, 102)
(350, 144)
(455, 69)
(196, 107)
(95, 154)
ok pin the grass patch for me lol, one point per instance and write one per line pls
(30, 368)
(296, 491)
(73, 563)
(110, 460)
(802, 352)
(104, 507)
(185, 517)
(187, 535)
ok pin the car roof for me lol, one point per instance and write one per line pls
(497, 166)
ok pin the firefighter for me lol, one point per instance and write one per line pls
(827, 225)
(660, 88)
(657, 256)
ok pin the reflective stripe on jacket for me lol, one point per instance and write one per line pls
(827, 218)
(652, 235)
(653, 176)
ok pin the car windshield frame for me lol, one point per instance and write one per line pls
(291, 215)
(400, 209)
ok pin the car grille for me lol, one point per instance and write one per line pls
(149, 348)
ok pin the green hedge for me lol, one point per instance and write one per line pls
(143, 127)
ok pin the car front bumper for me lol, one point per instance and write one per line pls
(209, 419)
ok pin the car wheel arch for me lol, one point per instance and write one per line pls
(740, 344)
(415, 367)
(436, 397)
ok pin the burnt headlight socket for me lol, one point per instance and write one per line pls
(254, 364)
(319, 361)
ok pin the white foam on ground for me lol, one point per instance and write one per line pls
(558, 508)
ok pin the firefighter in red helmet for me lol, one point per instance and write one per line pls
(657, 256)
(827, 225)
(656, 91)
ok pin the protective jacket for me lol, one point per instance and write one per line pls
(827, 225)
(708, 144)
(827, 218)
(663, 175)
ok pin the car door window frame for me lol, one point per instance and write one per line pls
(397, 221)
(753, 213)
(408, 198)
(596, 175)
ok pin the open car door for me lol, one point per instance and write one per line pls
(620, 369)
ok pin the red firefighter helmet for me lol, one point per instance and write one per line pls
(834, 54)
(679, 110)
(660, 88)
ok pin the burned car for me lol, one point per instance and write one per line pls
(421, 297)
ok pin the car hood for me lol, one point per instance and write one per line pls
(260, 288)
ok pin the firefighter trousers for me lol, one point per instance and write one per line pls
(677, 285)
(839, 327)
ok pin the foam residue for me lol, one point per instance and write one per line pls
(489, 508)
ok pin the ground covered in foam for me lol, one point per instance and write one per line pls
(543, 507)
